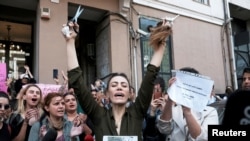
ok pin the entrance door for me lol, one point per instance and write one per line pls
(92, 43)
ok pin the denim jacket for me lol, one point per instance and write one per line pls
(35, 130)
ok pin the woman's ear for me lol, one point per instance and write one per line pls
(46, 108)
(129, 97)
(24, 97)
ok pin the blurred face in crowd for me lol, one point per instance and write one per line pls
(32, 96)
(25, 80)
(118, 90)
(246, 81)
(94, 93)
(70, 102)
(4, 107)
(56, 107)
(157, 91)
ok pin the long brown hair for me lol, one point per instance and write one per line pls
(159, 34)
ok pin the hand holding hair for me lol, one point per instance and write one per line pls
(160, 33)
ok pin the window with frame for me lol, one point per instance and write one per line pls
(206, 2)
(241, 54)
(147, 51)
(242, 60)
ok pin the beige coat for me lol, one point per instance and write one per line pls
(176, 129)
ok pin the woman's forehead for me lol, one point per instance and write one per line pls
(4, 99)
(69, 96)
(33, 88)
(57, 98)
(118, 79)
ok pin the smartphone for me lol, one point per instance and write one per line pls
(55, 73)
(173, 73)
(157, 95)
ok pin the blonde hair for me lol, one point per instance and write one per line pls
(22, 103)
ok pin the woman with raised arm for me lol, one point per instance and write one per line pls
(118, 120)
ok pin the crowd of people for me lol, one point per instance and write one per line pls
(107, 109)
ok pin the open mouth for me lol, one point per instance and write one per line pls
(71, 106)
(34, 99)
(60, 111)
(119, 95)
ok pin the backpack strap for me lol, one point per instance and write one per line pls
(11, 118)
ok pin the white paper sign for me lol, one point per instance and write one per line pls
(191, 90)
(120, 138)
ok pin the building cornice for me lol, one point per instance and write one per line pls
(124, 6)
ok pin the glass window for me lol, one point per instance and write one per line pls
(16, 47)
(242, 60)
(147, 51)
(15, 55)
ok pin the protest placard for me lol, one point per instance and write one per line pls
(191, 90)
(120, 138)
(3, 86)
(49, 88)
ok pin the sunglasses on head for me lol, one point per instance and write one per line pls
(4, 107)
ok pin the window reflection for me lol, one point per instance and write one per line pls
(16, 58)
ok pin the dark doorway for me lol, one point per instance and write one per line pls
(86, 46)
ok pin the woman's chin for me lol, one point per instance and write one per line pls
(119, 102)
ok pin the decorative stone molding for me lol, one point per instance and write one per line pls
(124, 6)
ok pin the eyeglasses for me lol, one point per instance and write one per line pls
(4, 107)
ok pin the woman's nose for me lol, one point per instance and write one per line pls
(119, 87)
(61, 105)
